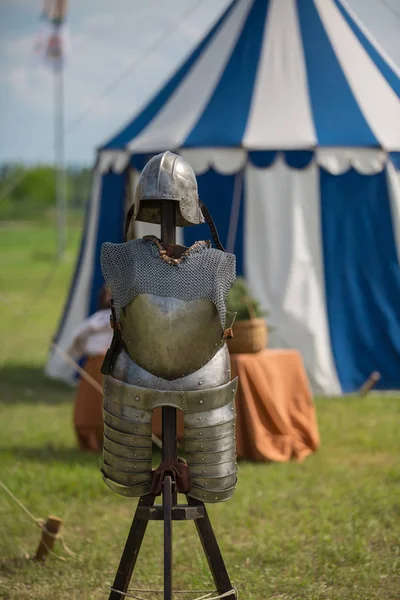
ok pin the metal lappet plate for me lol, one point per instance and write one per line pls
(159, 334)
(125, 451)
(215, 373)
(226, 430)
(132, 491)
(215, 483)
(218, 416)
(126, 394)
(127, 439)
(123, 478)
(125, 426)
(128, 413)
(197, 447)
(211, 495)
(210, 458)
(133, 465)
(216, 470)
(134, 402)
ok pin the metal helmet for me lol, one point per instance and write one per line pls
(167, 176)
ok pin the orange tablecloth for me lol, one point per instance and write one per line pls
(276, 418)
(275, 411)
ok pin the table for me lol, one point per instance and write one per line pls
(276, 418)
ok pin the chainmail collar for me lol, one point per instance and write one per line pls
(196, 247)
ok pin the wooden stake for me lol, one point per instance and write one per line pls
(49, 533)
(369, 384)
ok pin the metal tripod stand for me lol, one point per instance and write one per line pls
(169, 510)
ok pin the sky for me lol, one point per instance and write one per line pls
(127, 46)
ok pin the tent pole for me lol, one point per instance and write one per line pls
(60, 174)
(235, 211)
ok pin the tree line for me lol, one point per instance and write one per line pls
(29, 192)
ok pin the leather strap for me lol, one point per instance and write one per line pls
(209, 220)
(128, 221)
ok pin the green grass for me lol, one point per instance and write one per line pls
(325, 529)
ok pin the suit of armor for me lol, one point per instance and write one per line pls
(169, 347)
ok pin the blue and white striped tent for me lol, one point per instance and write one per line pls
(290, 115)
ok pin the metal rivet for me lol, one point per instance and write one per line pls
(185, 410)
(200, 433)
(134, 481)
(136, 428)
(138, 380)
(205, 485)
(199, 418)
(229, 370)
(203, 459)
(135, 455)
(201, 401)
(204, 496)
(137, 398)
(201, 447)
(200, 383)
(167, 393)
(204, 472)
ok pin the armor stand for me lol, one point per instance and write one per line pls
(169, 510)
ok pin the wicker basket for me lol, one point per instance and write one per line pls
(249, 336)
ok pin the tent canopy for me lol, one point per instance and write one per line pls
(270, 75)
(288, 111)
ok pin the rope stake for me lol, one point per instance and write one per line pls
(50, 530)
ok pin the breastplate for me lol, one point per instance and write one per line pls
(168, 337)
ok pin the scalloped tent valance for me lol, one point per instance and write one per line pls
(367, 161)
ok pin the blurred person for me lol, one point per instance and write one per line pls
(91, 339)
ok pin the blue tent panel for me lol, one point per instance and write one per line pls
(110, 227)
(362, 276)
(222, 122)
(337, 115)
(216, 190)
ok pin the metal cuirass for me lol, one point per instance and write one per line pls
(173, 325)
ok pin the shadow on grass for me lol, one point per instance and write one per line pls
(24, 384)
(50, 453)
(62, 454)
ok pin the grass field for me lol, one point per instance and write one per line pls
(325, 529)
